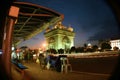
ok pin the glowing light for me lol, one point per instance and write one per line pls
(44, 45)
(89, 44)
(13, 48)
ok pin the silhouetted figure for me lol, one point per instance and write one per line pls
(42, 61)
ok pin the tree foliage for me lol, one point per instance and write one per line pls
(115, 48)
(95, 47)
(105, 46)
(61, 51)
(73, 49)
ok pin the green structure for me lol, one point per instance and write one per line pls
(59, 37)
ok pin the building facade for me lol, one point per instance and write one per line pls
(59, 37)
(115, 43)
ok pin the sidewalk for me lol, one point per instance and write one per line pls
(34, 73)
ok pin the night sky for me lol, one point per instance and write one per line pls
(91, 19)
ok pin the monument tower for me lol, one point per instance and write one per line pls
(59, 37)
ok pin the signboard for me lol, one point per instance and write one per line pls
(14, 11)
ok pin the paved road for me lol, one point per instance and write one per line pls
(102, 65)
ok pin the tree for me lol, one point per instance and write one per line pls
(115, 48)
(53, 51)
(73, 49)
(85, 45)
(61, 51)
(95, 47)
(105, 46)
(80, 49)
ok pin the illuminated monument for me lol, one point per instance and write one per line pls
(59, 37)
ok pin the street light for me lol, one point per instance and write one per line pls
(44, 46)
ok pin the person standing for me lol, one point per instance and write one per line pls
(14, 55)
(42, 61)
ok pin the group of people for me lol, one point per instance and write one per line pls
(21, 55)
(46, 61)
(51, 62)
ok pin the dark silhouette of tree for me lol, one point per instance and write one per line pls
(89, 50)
(85, 45)
(73, 49)
(95, 47)
(61, 51)
(105, 46)
(80, 49)
(53, 51)
(115, 48)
